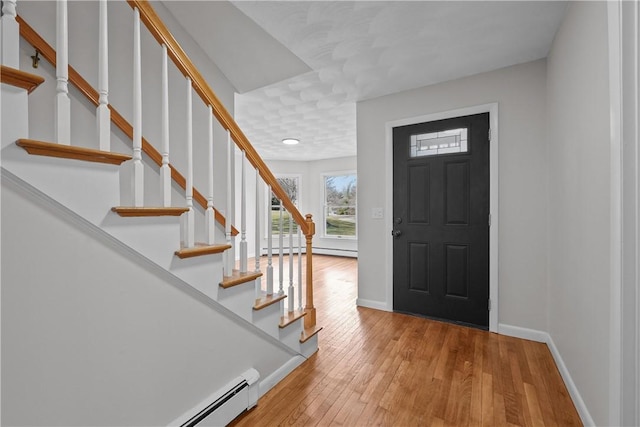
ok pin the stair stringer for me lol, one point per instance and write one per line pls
(271, 371)
(91, 189)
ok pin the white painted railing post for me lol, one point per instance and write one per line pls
(280, 259)
(189, 217)
(103, 114)
(228, 254)
(165, 170)
(210, 220)
(299, 268)
(291, 297)
(10, 32)
(138, 167)
(269, 243)
(280, 251)
(243, 216)
(63, 103)
(257, 250)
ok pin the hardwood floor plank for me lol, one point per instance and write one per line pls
(378, 368)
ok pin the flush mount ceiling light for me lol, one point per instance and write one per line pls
(290, 141)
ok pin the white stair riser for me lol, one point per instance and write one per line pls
(291, 334)
(239, 299)
(89, 189)
(309, 347)
(268, 318)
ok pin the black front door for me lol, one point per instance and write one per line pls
(441, 219)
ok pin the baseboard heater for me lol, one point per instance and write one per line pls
(222, 407)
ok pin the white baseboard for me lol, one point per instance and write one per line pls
(544, 337)
(524, 333)
(336, 252)
(378, 305)
(269, 382)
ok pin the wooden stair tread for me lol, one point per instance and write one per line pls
(308, 333)
(201, 249)
(50, 149)
(290, 317)
(19, 78)
(238, 278)
(268, 300)
(129, 211)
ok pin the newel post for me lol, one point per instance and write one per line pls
(310, 318)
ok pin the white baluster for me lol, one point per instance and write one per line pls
(10, 35)
(165, 170)
(269, 243)
(210, 216)
(103, 114)
(63, 103)
(291, 300)
(280, 259)
(257, 254)
(299, 269)
(189, 222)
(228, 254)
(243, 216)
(138, 167)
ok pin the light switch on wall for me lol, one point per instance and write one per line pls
(377, 213)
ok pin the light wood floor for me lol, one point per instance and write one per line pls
(380, 368)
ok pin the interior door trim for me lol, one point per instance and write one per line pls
(492, 109)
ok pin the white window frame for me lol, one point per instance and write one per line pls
(324, 205)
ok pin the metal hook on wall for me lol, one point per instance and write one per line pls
(35, 58)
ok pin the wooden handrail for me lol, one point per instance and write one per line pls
(164, 37)
(48, 53)
(160, 32)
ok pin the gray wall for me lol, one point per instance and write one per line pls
(579, 200)
(520, 93)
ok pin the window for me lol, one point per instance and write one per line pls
(291, 186)
(340, 205)
(445, 142)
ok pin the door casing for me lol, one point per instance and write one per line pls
(492, 109)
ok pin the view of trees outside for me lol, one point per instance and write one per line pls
(290, 185)
(340, 205)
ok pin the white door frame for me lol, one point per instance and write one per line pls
(624, 87)
(492, 109)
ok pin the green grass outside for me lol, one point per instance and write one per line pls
(338, 227)
(275, 223)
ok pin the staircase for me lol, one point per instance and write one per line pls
(182, 235)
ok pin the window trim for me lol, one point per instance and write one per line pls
(323, 191)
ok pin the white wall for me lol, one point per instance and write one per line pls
(93, 334)
(312, 197)
(520, 93)
(579, 201)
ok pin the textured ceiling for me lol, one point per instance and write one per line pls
(358, 50)
(236, 44)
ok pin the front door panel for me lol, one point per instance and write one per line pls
(441, 219)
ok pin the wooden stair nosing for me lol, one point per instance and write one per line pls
(19, 78)
(50, 149)
(238, 278)
(290, 317)
(268, 300)
(308, 333)
(132, 211)
(200, 250)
